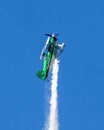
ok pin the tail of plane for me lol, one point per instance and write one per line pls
(42, 74)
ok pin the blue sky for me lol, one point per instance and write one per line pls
(81, 76)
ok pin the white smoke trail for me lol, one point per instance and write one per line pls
(52, 123)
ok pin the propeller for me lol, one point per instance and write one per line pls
(52, 35)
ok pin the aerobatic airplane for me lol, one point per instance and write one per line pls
(50, 51)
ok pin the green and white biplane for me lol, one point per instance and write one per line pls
(50, 51)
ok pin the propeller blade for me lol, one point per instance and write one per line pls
(48, 35)
(52, 34)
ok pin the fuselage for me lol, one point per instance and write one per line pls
(49, 53)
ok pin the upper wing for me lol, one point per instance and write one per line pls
(44, 48)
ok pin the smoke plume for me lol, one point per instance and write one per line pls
(52, 122)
